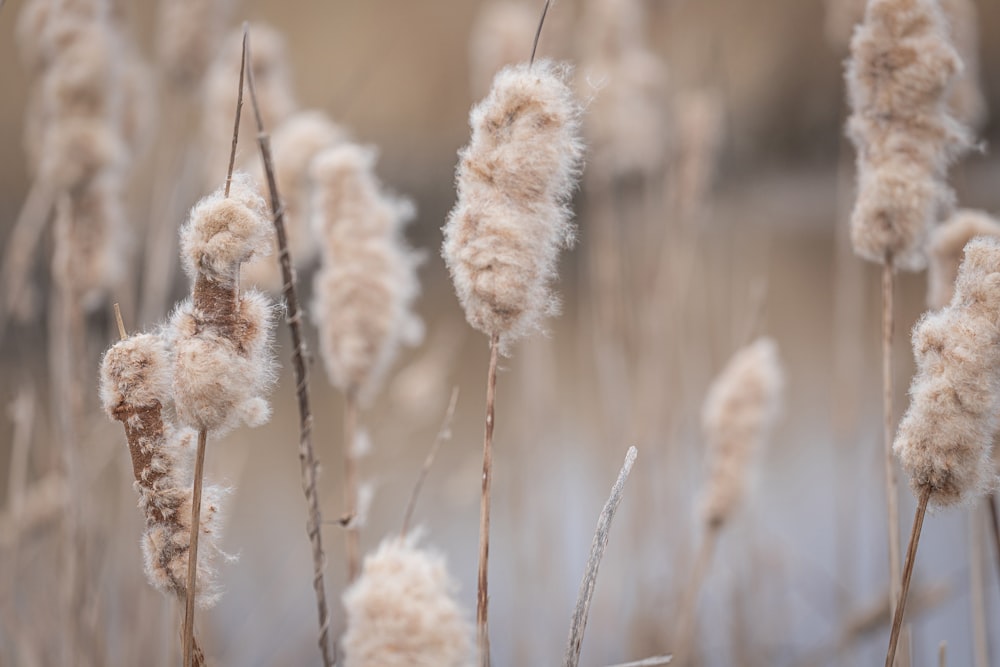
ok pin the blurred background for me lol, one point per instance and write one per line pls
(713, 208)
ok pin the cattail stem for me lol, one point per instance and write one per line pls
(579, 624)
(352, 536)
(943, 654)
(991, 501)
(192, 573)
(239, 110)
(293, 318)
(891, 487)
(911, 555)
(482, 598)
(684, 639)
(977, 589)
(444, 433)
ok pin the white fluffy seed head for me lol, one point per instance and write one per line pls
(367, 283)
(945, 437)
(223, 232)
(135, 373)
(902, 67)
(221, 382)
(401, 612)
(947, 248)
(514, 180)
(739, 412)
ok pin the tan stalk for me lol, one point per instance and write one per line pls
(911, 554)
(991, 501)
(482, 597)
(293, 318)
(351, 524)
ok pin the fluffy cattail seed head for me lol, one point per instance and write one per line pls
(367, 284)
(401, 612)
(945, 437)
(739, 412)
(515, 178)
(901, 70)
(947, 248)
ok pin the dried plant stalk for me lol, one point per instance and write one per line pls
(307, 457)
(579, 624)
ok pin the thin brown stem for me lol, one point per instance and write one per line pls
(579, 624)
(652, 661)
(538, 32)
(977, 589)
(293, 318)
(352, 531)
(444, 433)
(991, 501)
(943, 654)
(192, 573)
(888, 427)
(121, 324)
(239, 112)
(911, 555)
(686, 626)
(482, 597)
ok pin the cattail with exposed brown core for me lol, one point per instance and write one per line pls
(367, 284)
(515, 178)
(947, 248)
(295, 143)
(946, 436)
(737, 417)
(503, 236)
(402, 611)
(136, 390)
(901, 71)
(221, 337)
(275, 93)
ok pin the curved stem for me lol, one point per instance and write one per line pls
(192, 573)
(911, 555)
(888, 427)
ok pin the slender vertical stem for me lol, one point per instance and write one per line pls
(579, 623)
(977, 589)
(888, 427)
(991, 501)
(943, 654)
(192, 573)
(352, 536)
(911, 555)
(293, 318)
(686, 627)
(482, 598)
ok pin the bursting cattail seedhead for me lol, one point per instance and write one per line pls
(401, 612)
(946, 249)
(901, 70)
(739, 412)
(367, 284)
(514, 180)
(945, 437)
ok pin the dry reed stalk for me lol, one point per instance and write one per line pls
(911, 553)
(482, 594)
(977, 588)
(307, 457)
(602, 534)
(943, 654)
(991, 502)
(652, 661)
(350, 519)
(444, 433)
(888, 427)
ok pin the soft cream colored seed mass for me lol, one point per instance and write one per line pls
(514, 180)
(401, 612)
(901, 71)
(947, 248)
(739, 412)
(946, 435)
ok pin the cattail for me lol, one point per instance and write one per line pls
(402, 611)
(944, 440)
(738, 414)
(366, 287)
(188, 36)
(136, 390)
(946, 249)
(966, 101)
(294, 144)
(515, 178)
(626, 126)
(500, 36)
(275, 93)
(220, 336)
(902, 129)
